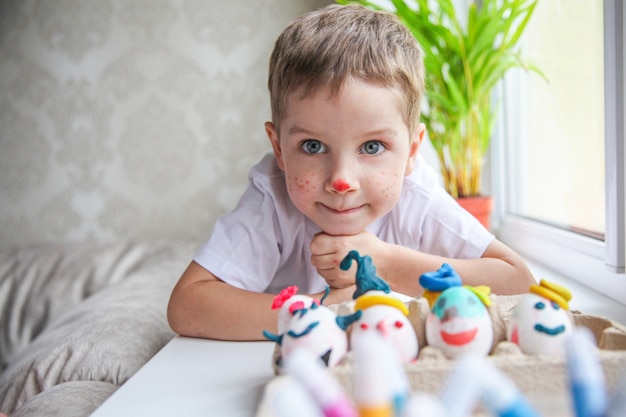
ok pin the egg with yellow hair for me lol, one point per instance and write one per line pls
(386, 316)
(540, 322)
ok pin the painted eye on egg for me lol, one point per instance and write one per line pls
(471, 301)
(441, 302)
(540, 305)
(555, 305)
(364, 326)
(398, 324)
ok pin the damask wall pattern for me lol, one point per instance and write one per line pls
(131, 118)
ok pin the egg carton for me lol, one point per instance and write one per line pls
(541, 378)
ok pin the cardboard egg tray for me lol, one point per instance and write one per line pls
(542, 378)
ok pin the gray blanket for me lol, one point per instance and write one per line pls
(76, 321)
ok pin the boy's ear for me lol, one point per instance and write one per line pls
(272, 135)
(414, 148)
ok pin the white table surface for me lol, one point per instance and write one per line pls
(196, 377)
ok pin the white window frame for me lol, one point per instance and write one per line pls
(599, 265)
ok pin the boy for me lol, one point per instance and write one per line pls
(345, 86)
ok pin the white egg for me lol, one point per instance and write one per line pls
(392, 325)
(538, 325)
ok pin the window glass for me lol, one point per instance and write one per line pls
(559, 151)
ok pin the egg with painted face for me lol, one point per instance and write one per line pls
(303, 322)
(459, 323)
(539, 325)
(385, 316)
(315, 327)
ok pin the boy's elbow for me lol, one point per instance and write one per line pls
(518, 275)
(178, 316)
(173, 317)
(523, 277)
(527, 278)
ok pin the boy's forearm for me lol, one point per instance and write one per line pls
(216, 310)
(500, 268)
(213, 309)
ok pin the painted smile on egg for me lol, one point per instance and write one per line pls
(554, 331)
(460, 338)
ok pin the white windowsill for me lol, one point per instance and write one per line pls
(571, 260)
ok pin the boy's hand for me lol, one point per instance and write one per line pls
(328, 251)
(336, 295)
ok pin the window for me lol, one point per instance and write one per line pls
(558, 167)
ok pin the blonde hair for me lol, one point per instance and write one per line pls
(329, 46)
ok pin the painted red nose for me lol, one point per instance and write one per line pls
(341, 185)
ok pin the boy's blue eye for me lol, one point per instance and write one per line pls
(313, 146)
(372, 147)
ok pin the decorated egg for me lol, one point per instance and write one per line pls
(386, 316)
(304, 322)
(382, 313)
(459, 322)
(540, 322)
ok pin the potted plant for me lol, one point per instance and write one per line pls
(463, 60)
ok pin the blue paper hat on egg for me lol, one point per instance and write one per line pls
(435, 282)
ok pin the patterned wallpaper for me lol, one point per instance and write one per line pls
(130, 118)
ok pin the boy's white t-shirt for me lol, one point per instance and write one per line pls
(263, 244)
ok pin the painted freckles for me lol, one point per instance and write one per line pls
(303, 183)
(388, 189)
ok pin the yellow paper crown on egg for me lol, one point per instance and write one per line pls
(557, 293)
(369, 300)
(482, 292)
